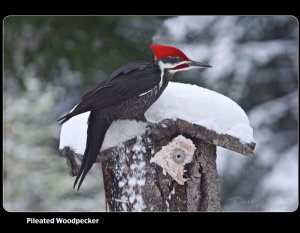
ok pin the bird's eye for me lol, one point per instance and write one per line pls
(178, 156)
(178, 59)
(174, 59)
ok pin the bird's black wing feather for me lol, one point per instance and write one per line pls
(139, 65)
(95, 136)
(129, 82)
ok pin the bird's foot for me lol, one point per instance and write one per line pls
(151, 126)
(163, 126)
(166, 124)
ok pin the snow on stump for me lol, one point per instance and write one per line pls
(172, 165)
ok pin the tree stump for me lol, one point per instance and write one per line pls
(133, 183)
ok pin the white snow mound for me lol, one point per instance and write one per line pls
(188, 102)
(203, 107)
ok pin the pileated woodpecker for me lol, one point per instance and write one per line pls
(127, 94)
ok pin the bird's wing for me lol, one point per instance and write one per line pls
(117, 74)
(138, 65)
(125, 85)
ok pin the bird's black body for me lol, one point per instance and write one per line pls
(127, 94)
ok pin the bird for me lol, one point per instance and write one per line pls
(126, 94)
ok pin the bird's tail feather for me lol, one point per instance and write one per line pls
(65, 118)
(95, 135)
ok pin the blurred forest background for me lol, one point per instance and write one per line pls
(49, 62)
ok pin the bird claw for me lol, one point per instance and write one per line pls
(166, 124)
(151, 126)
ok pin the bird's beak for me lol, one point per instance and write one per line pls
(199, 64)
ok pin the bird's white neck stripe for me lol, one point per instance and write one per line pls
(163, 66)
(161, 77)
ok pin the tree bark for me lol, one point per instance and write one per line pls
(132, 183)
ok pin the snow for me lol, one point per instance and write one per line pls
(220, 41)
(131, 180)
(73, 133)
(188, 102)
(121, 131)
(285, 172)
(276, 110)
(276, 189)
(203, 107)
